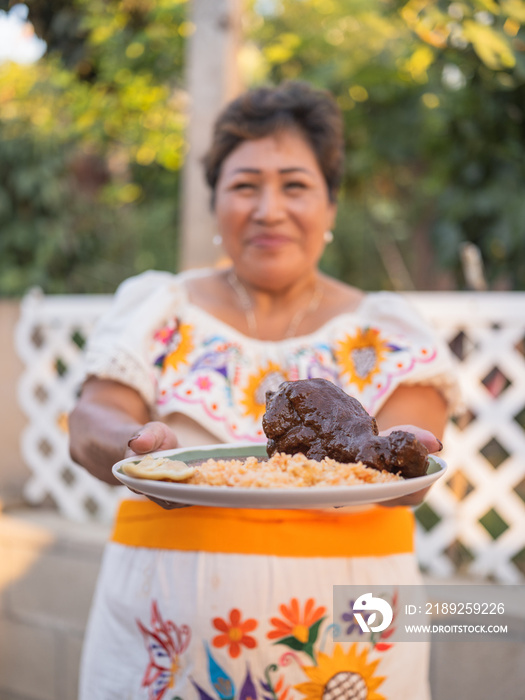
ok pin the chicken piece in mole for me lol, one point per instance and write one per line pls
(318, 419)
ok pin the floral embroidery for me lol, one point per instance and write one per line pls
(264, 380)
(234, 634)
(165, 335)
(344, 674)
(277, 690)
(181, 345)
(219, 381)
(172, 344)
(361, 355)
(165, 642)
(248, 690)
(204, 383)
(219, 357)
(376, 639)
(379, 641)
(298, 631)
(349, 674)
(223, 684)
(220, 680)
(350, 617)
(203, 695)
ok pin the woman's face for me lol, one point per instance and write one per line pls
(272, 209)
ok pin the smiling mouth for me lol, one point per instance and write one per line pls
(270, 240)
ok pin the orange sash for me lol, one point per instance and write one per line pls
(377, 531)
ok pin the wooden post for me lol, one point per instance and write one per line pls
(212, 79)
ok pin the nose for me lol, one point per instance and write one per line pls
(269, 208)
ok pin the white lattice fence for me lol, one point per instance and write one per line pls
(472, 521)
(49, 338)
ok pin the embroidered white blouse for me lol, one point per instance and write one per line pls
(183, 360)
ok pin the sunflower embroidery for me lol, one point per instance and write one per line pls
(180, 346)
(267, 379)
(346, 675)
(234, 633)
(360, 355)
(298, 630)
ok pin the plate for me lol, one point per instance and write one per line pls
(233, 497)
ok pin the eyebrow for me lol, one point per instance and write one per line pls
(283, 171)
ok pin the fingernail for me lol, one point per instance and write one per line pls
(440, 444)
(137, 435)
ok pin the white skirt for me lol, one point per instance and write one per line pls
(180, 622)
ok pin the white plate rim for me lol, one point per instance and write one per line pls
(293, 497)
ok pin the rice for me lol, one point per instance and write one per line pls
(285, 471)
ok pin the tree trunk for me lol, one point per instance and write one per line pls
(212, 79)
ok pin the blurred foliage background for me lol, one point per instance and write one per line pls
(433, 96)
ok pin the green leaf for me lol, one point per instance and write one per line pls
(314, 631)
(292, 642)
(492, 47)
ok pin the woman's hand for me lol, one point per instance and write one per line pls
(433, 444)
(407, 405)
(110, 422)
(152, 437)
(425, 437)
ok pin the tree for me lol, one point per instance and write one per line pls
(91, 145)
(433, 94)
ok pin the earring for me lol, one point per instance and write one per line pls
(328, 237)
(217, 240)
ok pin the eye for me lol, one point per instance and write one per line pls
(243, 186)
(295, 186)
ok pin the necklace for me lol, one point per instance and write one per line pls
(249, 313)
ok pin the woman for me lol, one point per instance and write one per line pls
(208, 602)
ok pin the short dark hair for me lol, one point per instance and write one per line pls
(267, 110)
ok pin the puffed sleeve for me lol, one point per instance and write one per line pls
(117, 348)
(411, 352)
